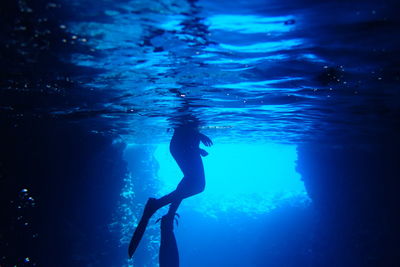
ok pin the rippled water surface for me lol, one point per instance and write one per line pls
(285, 71)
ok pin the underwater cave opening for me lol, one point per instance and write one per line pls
(245, 178)
(255, 204)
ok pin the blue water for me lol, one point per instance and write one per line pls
(282, 71)
(251, 189)
(250, 178)
(262, 76)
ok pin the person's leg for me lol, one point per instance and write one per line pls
(169, 254)
(170, 198)
(192, 184)
(188, 186)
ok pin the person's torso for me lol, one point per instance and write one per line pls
(185, 140)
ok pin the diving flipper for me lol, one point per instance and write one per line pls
(169, 255)
(141, 228)
(137, 236)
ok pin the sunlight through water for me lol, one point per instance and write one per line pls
(250, 178)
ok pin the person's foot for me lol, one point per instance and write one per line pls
(150, 208)
(167, 221)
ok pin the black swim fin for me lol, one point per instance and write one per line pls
(137, 236)
(149, 210)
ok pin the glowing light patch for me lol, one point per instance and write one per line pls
(256, 85)
(250, 178)
(249, 60)
(262, 47)
(173, 23)
(249, 24)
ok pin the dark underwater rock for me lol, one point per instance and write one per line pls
(73, 178)
(355, 190)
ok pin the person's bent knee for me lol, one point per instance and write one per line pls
(202, 189)
(194, 190)
(199, 189)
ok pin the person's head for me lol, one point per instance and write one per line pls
(192, 122)
(187, 121)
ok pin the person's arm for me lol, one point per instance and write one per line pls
(203, 153)
(205, 140)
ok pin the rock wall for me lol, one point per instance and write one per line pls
(60, 185)
(355, 188)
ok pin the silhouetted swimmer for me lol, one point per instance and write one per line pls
(184, 147)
